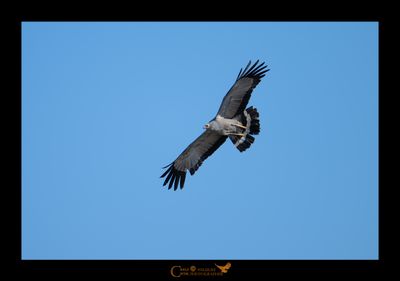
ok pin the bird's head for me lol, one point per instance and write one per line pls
(206, 126)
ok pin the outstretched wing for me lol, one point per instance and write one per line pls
(192, 158)
(235, 101)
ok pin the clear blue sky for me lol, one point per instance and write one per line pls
(106, 105)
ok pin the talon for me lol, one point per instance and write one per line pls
(240, 126)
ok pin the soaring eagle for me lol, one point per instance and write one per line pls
(232, 120)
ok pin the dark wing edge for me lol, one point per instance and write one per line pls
(175, 177)
(255, 72)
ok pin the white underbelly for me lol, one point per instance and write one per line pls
(227, 125)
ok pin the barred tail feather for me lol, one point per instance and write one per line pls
(250, 119)
(242, 143)
(254, 120)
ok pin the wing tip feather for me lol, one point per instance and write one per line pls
(174, 177)
(255, 71)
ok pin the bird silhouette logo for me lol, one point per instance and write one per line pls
(224, 269)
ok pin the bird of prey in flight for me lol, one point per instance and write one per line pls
(233, 120)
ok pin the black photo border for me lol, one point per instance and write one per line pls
(161, 269)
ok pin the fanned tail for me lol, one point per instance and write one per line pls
(250, 119)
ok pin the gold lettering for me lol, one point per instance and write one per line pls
(172, 271)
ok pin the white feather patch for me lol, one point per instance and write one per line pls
(248, 122)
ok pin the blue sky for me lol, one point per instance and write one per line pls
(106, 105)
